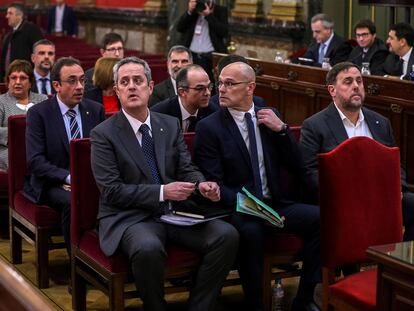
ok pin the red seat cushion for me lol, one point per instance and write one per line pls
(359, 289)
(39, 215)
(89, 245)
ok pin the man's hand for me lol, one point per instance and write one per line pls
(268, 117)
(208, 9)
(210, 190)
(178, 191)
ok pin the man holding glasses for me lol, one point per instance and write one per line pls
(192, 103)
(51, 125)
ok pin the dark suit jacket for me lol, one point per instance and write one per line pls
(392, 67)
(171, 107)
(222, 156)
(338, 51)
(128, 193)
(69, 22)
(162, 91)
(375, 56)
(22, 41)
(47, 144)
(217, 25)
(257, 100)
(324, 131)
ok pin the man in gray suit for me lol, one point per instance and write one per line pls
(140, 163)
(345, 118)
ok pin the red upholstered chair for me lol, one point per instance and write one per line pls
(360, 201)
(89, 263)
(35, 223)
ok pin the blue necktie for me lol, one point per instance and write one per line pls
(321, 53)
(149, 152)
(253, 155)
(73, 124)
(44, 89)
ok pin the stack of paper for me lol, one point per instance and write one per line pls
(248, 204)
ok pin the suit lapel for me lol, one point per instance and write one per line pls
(335, 124)
(170, 88)
(86, 116)
(374, 126)
(128, 138)
(231, 126)
(175, 109)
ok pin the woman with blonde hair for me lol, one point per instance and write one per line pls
(103, 91)
(17, 100)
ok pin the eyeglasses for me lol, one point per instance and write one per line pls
(201, 88)
(74, 81)
(362, 35)
(230, 84)
(138, 81)
(113, 50)
(21, 78)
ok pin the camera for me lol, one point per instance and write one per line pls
(201, 5)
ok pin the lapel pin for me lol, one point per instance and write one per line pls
(87, 113)
(377, 122)
(161, 129)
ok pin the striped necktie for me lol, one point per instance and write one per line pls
(73, 124)
(254, 156)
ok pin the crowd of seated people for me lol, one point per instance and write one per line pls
(236, 135)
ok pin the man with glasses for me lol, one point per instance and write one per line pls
(370, 49)
(141, 164)
(50, 128)
(243, 145)
(112, 46)
(178, 57)
(192, 103)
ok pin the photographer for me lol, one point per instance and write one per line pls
(205, 28)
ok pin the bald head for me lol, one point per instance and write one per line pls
(236, 86)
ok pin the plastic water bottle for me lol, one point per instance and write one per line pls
(277, 296)
(412, 74)
(279, 57)
(365, 69)
(326, 64)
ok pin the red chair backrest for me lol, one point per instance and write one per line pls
(360, 199)
(84, 193)
(17, 154)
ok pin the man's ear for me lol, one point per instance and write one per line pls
(56, 86)
(102, 51)
(332, 90)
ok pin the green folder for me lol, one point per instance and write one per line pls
(247, 203)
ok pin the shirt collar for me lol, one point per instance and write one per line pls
(184, 113)
(407, 55)
(17, 27)
(174, 83)
(239, 115)
(135, 123)
(38, 76)
(361, 117)
(64, 109)
(327, 42)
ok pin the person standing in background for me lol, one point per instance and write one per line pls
(61, 20)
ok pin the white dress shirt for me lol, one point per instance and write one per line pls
(359, 129)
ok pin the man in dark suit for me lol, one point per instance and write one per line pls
(112, 46)
(50, 127)
(192, 102)
(205, 30)
(345, 118)
(178, 57)
(400, 61)
(18, 43)
(140, 164)
(370, 49)
(241, 145)
(43, 58)
(328, 44)
(61, 20)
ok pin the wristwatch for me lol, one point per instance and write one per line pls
(284, 129)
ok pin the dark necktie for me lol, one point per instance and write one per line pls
(321, 53)
(253, 155)
(192, 120)
(401, 66)
(147, 145)
(44, 89)
(8, 55)
(73, 124)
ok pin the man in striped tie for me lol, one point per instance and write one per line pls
(50, 128)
